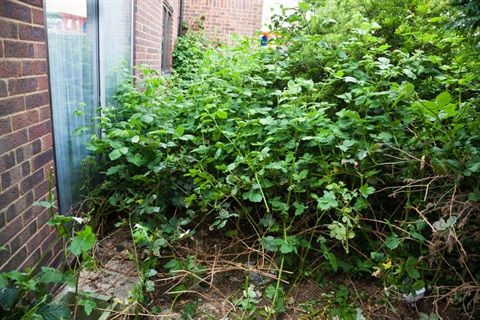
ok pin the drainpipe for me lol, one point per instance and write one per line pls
(180, 26)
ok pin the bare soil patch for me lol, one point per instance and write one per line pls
(218, 291)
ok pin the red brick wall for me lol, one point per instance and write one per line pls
(26, 151)
(219, 18)
(148, 30)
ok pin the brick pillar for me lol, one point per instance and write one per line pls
(26, 151)
(148, 30)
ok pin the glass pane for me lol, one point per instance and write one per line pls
(115, 43)
(73, 86)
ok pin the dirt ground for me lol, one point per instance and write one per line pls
(218, 291)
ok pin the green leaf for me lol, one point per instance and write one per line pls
(173, 264)
(115, 169)
(440, 225)
(45, 204)
(365, 190)
(7, 297)
(330, 256)
(189, 310)
(82, 242)
(418, 236)
(268, 221)
(350, 79)
(150, 273)
(418, 285)
(392, 242)
(285, 247)
(50, 275)
(147, 118)
(299, 208)
(221, 114)
(328, 201)
(136, 159)
(443, 99)
(253, 195)
(413, 273)
(268, 243)
(475, 195)
(149, 285)
(410, 265)
(115, 154)
(88, 305)
(3, 281)
(438, 165)
(177, 290)
(70, 278)
(407, 88)
(180, 130)
(54, 311)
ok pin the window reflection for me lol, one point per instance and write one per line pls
(73, 53)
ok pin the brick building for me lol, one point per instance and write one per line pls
(26, 140)
(221, 18)
(57, 57)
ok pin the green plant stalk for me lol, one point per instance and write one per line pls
(137, 265)
(279, 279)
(58, 238)
(302, 263)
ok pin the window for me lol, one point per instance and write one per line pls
(167, 39)
(87, 40)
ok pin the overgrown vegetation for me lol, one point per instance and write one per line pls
(354, 142)
(30, 294)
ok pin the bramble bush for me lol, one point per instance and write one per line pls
(368, 142)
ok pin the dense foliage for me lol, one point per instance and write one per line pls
(362, 135)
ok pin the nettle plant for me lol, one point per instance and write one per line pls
(308, 147)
